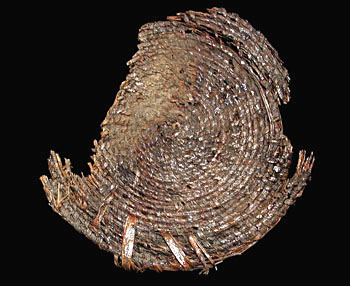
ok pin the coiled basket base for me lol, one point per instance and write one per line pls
(192, 164)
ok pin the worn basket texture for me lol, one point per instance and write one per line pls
(192, 164)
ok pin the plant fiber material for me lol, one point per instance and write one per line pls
(192, 164)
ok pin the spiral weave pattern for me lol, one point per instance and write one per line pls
(192, 164)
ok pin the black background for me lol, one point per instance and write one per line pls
(70, 61)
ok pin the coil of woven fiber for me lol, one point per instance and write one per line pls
(192, 164)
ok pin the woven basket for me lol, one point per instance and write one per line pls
(192, 164)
